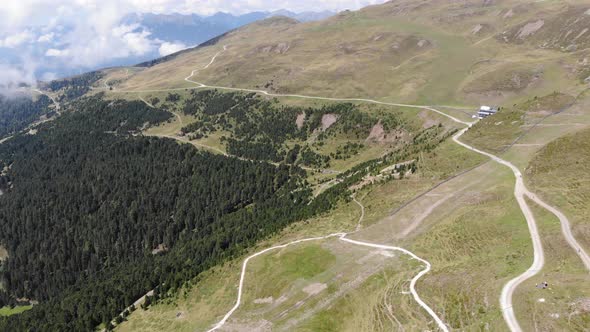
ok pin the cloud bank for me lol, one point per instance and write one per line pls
(168, 48)
(85, 34)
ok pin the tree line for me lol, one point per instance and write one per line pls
(20, 110)
(75, 86)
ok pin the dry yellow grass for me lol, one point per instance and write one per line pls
(398, 51)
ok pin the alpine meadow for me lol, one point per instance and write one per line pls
(411, 165)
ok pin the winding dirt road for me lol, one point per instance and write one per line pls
(520, 191)
(341, 237)
(565, 228)
(538, 255)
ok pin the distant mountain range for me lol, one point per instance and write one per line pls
(155, 35)
(192, 30)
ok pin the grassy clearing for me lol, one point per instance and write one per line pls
(351, 283)
(381, 303)
(380, 201)
(8, 311)
(285, 267)
(215, 291)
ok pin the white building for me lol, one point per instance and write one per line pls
(485, 111)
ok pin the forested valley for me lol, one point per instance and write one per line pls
(95, 215)
(19, 110)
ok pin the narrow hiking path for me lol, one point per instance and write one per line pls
(150, 105)
(360, 222)
(520, 191)
(195, 144)
(341, 237)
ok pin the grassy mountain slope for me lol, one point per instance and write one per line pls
(424, 52)
(428, 52)
(418, 188)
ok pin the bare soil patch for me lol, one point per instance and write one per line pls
(530, 28)
(3, 253)
(243, 325)
(476, 29)
(377, 133)
(583, 305)
(315, 288)
(159, 249)
(509, 13)
(328, 120)
(300, 120)
(428, 119)
(266, 300)
(280, 48)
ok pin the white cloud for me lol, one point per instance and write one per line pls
(135, 38)
(208, 7)
(169, 48)
(17, 39)
(11, 76)
(106, 43)
(48, 76)
(46, 38)
(53, 52)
